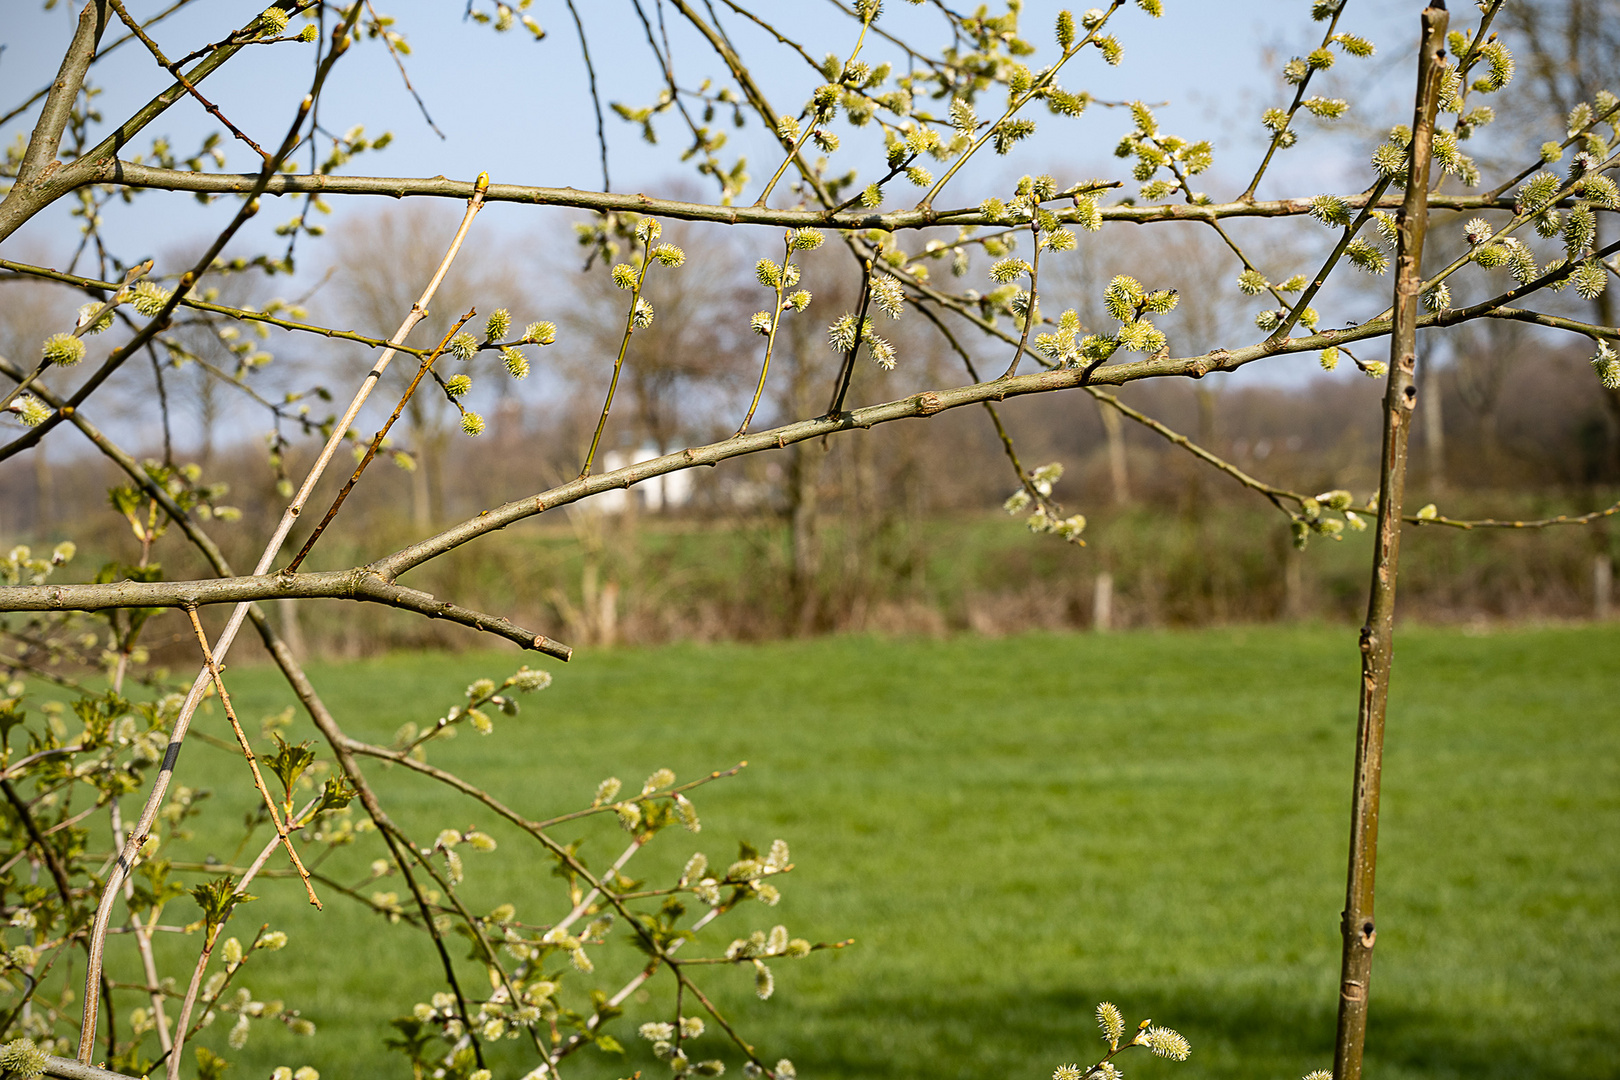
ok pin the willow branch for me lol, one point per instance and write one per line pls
(135, 272)
(360, 584)
(1293, 108)
(40, 155)
(1271, 491)
(1467, 524)
(328, 726)
(1350, 231)
(18, 110)
(143, 942)
(130, 174)
(94, 286)
(1357, 926)
(68, 1069)
(1041, 82)
(127, 857)
(46, 852)
(252, 758)
(174, 70)
(44, 185)
(250, 207)
(377, 441)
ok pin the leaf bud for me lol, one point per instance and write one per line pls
(1607, 365)
(528, 680)
(101, 324)
(1330, 210)
(1165, 1043)
(148, 297)
(688, 812)
(273, 20)
(63, 350)
(764, 982)
(517, 365)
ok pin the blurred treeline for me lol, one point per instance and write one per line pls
(894, 529)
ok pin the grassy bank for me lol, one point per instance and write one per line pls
(1013, 829)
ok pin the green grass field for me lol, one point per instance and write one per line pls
(1014, 829)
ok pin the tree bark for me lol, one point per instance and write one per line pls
(1377, 636)
(804, 478)
(1114, 428)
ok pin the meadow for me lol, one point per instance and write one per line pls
(1013, 829)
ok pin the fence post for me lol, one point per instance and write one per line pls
(1102, 603)
(1602, 586)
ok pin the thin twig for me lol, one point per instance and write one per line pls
(624, 347)
(596, 98)
(135, 273)
(179, 77)
(778, 311)
(846, 371)
(94, 285)
(1299, 98)
(1029, 310)
(376, 442)
(247, 751)
(143, 941)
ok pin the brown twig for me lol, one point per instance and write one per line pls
(131, 174)
(174, 69)
(376, 442)
(94, 285)
(247, 752)
(1377, 636)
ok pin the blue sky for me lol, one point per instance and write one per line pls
(520, 109)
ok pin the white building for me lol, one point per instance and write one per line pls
(672, 490)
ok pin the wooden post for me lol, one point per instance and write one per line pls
(1602, 586)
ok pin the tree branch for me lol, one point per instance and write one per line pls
(40, 155)
(361, 583)
(1357, 926)
(129, 174)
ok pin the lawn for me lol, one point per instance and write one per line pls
(1014, 829)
